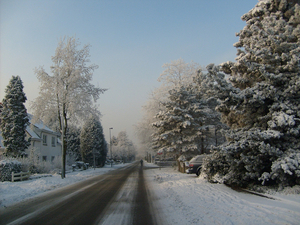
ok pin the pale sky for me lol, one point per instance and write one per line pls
(130, 41)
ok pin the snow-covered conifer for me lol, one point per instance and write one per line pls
(177, 73)
(180, 123)
(92, 143)
(14, 118)
(73, 142)
(262, 108)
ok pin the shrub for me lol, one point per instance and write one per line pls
(7, 166)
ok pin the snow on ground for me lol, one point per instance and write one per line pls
(186, 199)
(13, 192)
(181, 198)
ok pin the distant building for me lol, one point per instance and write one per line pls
(44, 141)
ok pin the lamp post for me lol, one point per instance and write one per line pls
(110, 146)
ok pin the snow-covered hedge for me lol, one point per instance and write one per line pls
(7, 167)
(31, 164)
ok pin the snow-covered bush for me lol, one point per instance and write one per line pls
(262, 106)
(7, 166)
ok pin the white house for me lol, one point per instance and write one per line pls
(44, 141)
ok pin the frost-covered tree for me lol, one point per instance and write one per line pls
(123, 147)
(14, 118)
(67, 95)
(180, 124)
(262, 108)
(92, 143)
(209, 88)
(176, 74)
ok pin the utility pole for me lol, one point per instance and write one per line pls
(110, 146)
(63, 172)
(94, 158)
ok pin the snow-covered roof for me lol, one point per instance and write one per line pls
(32, 134)
(40, 125)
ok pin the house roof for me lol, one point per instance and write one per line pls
(40, 125)
(31, 133)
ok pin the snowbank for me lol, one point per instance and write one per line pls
(11, 193)
(186, 199)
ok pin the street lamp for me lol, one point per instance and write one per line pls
(110, 146)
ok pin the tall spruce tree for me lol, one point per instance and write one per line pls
(262, 108)
(92, 143)
(73, 142)
(14, 119)
(180, 124)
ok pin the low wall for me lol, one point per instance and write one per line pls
(166, 163)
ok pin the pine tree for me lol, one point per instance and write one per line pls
(14, 119)
(179, 125)
(73, 142)
(92, 143)
(262, 107)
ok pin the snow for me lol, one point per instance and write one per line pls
(13, 192)
(180, 198)
(186, 199)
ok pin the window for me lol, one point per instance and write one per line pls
(52, 158)
(44, 158)
(44, 139)
(53, 142)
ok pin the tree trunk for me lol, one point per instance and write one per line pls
(64, 143)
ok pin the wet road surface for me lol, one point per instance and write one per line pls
(118, 197)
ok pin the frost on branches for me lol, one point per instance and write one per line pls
(263, 107)
(67, 96)
(182, 122)
(123, 148)
(14, 119)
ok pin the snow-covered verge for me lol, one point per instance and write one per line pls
(181, 198)
(13, 192)
(186, 199)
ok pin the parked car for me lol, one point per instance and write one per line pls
(195, 164)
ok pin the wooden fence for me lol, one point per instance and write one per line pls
(19, 176)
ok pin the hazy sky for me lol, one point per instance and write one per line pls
(130, 41)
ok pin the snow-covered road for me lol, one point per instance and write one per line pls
(176, 198)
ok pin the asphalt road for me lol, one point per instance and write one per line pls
(118, 197)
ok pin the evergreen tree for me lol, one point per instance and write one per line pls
(262, 107)
(180, 124)
(73, 142)
(14, 118)
(177, 73)
(92, 143)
